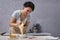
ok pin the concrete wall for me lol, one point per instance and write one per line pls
(47, 13)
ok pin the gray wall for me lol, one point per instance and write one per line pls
(47, 13)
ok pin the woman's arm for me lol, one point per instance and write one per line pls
(12, 22)
(25, 26)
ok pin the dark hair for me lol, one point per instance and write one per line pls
(29, 4)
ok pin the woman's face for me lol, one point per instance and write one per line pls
(27, 10)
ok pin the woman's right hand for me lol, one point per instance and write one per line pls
(18, 22)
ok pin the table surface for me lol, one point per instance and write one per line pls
(28, 38)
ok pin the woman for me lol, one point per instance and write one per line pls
(21, 17)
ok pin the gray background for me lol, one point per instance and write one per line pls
(47, 14)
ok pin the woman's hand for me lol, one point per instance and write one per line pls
(18, 22)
